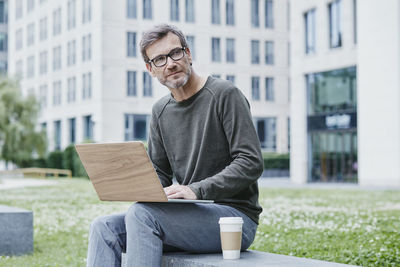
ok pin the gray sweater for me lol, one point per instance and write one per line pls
(209, 143)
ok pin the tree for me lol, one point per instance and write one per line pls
(19, 139)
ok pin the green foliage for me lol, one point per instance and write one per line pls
(72, 162)
(19, 139)
(55, 160)
(276, 161)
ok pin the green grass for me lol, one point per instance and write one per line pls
(347, 226)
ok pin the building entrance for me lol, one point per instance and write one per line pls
(333, 156)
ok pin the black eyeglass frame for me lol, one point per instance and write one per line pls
(166, 57)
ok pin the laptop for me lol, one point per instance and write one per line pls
(124, 172)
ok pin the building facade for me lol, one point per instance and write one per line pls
(345, 100)
(82, 61)
(3, 36)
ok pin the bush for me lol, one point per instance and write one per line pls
(55, 160)
(276, 161)
(72, 162)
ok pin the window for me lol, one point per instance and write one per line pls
(57, 93)
(57, 21)
(147, 9)
(269, 53)
(18, 39)
(30, 67)
(215, 12)
(71, 57)
(266, 130)
(88, 127)
(86, 47)
(72, 130)
(230, 50)
(71, 23)
(131, 83)
(87, 85)
(216, 75)
(57, 135)
(131, 9)
(18, 68)
(269, 89)
(215, 50)
(71, 89)
(136, 127)
(86, 11)
(30, 5)
(269, 19)
(335, 25)
(255, 88)
(255, 52)
(230, 78)
(3, 42)
(43, 62)
(131, 44)
(43, 96)
(30, 34)
(57, 58)
(189, 11)
(18, 9)
(230, 12)
(309, 18)
(255, 14)
(174, 15)
(147, 85)
(355, 21)
(190, 42)
(3, 66)
(43, 29)
(3, 12)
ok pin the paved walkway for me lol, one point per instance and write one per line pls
(9, 183)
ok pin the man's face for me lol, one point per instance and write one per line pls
(173, 74)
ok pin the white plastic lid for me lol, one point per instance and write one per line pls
(230, 220)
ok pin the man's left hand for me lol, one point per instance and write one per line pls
(179, 191)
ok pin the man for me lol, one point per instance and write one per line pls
(202, 134)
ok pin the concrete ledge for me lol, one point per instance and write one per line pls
(249, 258)
(16, 231)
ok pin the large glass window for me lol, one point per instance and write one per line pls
(147, 9)
(43, 29)
(3, 11)
(332, 91)
(86, 11)
(57, 21)
(255, 14)
(255, 52)
(215, 50)
(255, 88)
(18, 9)
(230, 78)
(131, 83)
(136, 127)
(147, 84)
(43, 62)
(131, 44)
(269, 52)
(215, 12)
(57, 58)
(86, 47)
(174, 8)
(230, 50)
(18, 39)
(57, 93)
(189, 11)
(71, 89)
(57, 135)
(71, 23)
(335, 24)
(3, 42)
(72, 130)
(87, 85)
(131, 8)
(266, 130)
(30, 34)
(309, 19)
(230, 12)
(191, 43)
(88, 126)
(30, 65)
(43, 96)
(71, 53)
(269, 89)
(269, 19)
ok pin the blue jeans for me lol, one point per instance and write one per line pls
(148, 229)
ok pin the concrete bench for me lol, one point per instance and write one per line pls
(16, 231)
(249, 258)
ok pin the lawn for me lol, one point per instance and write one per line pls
(348, 226)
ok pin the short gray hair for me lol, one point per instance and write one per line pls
(156, 33)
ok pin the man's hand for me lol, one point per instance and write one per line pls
(179, 191)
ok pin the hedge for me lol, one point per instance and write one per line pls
(276, 161)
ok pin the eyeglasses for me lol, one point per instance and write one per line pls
(175, 54)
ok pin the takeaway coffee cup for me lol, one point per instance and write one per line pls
(231, 236)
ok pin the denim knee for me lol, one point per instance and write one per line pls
(140, 214)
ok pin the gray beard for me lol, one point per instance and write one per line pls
(177, 84)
